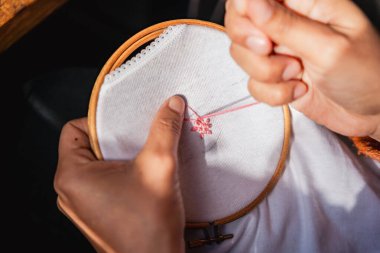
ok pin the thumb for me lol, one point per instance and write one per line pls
(166, 128)
(305, 37)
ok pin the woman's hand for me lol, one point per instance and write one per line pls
(322, 55)
(125, 206)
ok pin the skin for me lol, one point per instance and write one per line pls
(122, 206)
(322, 56)
(331, 51)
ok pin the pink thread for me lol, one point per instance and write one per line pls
(202, 124)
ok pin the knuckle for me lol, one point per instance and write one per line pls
(254, 91)
(66, 128)
(163, 160)
(342, 45)
(65, 184)
(227, 5)
(233, 50)
(338, 47)
(58, 184)
(236, 29)
(170, 124)
(268, 74)
(167, 161)
(278, 97)
(272, 96)
(231, 30)
(283, 21)
(237, 53)
(62, 185)
(227, 18)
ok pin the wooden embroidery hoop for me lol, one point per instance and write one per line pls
(119, 57)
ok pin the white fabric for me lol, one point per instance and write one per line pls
(194, 61)
(328, 199)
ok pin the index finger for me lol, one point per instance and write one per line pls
(242, 31)
(74, 142)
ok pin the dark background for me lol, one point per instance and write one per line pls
(48, 76)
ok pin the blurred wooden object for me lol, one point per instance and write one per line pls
(17, 17)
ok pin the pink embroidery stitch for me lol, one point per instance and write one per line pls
(202, 124)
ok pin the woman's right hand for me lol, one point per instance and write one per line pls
(322, 55)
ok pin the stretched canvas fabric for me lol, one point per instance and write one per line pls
(328, 199)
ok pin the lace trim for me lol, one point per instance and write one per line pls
(166, 36)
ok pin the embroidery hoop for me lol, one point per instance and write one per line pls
(118, 58)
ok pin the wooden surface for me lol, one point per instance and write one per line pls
(17, 17)
(10, 8)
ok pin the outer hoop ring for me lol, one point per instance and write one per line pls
(122, 53)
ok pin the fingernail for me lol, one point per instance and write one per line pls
(261, 11)
(299, 90)
(240, 6)
(291, 71)
(177, 104)
(257, 44)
